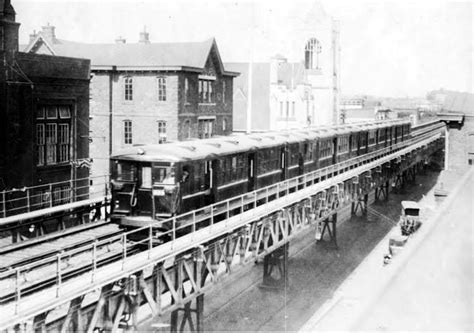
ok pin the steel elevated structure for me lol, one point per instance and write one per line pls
(60, 292)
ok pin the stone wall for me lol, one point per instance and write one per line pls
(460, 144)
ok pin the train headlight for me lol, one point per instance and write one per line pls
(117, 204)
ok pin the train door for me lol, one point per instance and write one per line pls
(303, 148)
(144, 201)
(209, 181)
(284, 162)
(334, 150)
(251, 171)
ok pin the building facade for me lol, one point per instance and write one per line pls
(298, 89)
(146, 93)
(44, 106)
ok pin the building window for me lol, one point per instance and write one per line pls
(61, 195)
(161, 131)
(292, 109)
(281, 109)
(53, 134)
(311, 54)
(128, 89)
(206, 91)
(223, 91)
(287, 109)
(63, 143)
(40, 142)
(205, 128)
(162, 89)
(187, 129)
(186, 90)
(224, 125)
(127, 132)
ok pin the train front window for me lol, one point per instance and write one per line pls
(124, 171)
(146, 177)
(164, 175)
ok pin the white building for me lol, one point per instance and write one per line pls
(298, 89)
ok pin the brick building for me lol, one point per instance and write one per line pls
(145, 92)
(44, 107)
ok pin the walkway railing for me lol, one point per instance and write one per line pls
(28, 199)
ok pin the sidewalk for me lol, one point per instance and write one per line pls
(428, 286)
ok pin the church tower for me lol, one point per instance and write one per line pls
(315, 44)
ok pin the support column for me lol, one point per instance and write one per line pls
(39, 322)
(276, 259)
(446, 148)
(362, 204)
(187, 317)
(329, 225)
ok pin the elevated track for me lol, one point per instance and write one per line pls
(202, 245)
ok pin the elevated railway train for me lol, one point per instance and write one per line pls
(154, 182)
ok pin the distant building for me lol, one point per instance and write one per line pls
(458, 106)
(44, 127)
(361, 109)
(144, 93)
(293, 91)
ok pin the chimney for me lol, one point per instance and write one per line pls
(48, 32)
(33, 36)
(144, 36)
(120, 40)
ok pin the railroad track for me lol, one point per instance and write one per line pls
(20, 254)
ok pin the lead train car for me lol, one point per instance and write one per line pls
(154, 182)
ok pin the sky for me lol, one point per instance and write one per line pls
(388, 48)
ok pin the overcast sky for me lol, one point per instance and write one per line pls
(402, 48)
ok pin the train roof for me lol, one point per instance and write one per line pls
(225, 145)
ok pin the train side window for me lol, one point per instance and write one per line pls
(354, 143)
(308, 151)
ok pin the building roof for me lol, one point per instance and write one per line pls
(186, 55)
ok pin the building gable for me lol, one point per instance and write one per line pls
(239, 95)
(40, 45)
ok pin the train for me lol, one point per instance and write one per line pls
(151, 183)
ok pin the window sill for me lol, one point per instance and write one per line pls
(208, 104)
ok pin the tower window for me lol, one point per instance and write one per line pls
(311, 54)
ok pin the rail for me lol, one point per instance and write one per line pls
(191, 224)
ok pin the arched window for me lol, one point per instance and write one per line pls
(128, 88)
(311, 54)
